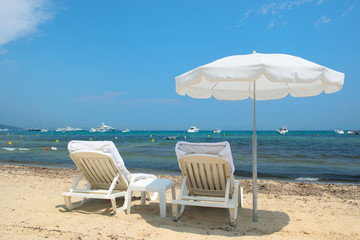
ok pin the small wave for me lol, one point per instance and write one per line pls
(307, 179)
(24, 149)
(9, 149)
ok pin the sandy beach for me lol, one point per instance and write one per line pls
(32, 207)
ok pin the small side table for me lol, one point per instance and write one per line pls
(152, 185)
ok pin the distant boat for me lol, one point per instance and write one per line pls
(69, 129)
(217, 130)
(44, 129)
(33, 129)
(4, 130)
(339, 131)
(282, 130)
(102, 128)
(193, 129)
(125, 130)
(353, 132)
(170, 138)
(92, 130)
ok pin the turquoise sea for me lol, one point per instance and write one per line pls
(317, 156)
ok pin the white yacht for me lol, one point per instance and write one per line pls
(103, 128)
(193, 129)
(4, 130)
(125, 130)
(217, 130)
(282, 130)
(44, 130)
(69, 129)
(339, 131)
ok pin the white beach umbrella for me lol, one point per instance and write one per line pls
(260, 77)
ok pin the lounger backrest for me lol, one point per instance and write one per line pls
(99, 169)
(206, 174)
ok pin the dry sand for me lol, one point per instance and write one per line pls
(32, 207)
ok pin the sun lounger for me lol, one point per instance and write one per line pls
(104, 169)
(208, 178)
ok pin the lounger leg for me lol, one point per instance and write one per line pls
(175, 212)
(182, 208)
(113, 203)
(232, 217)
(68, 204)
(235, 199)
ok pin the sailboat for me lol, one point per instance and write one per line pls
(44, 129)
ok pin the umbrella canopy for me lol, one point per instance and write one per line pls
(275, 75)
(261, 77)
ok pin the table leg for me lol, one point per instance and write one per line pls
(162, 202)
(143, 197)
(128, 201)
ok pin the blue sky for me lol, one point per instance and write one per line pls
(80, 63)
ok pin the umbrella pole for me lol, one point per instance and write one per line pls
(254, 158)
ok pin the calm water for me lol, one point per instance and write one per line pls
(322, 156)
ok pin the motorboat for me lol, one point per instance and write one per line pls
(44, 130)
(339, 131)
(217, 130)
(171, 138)
(103, 128)
(70, 129)
(282, 130)
(125, 130)
(353, 132)
(4, 130)
(92, 130)
(193, 129)
(33, 129)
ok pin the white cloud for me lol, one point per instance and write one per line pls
(9, 63)
(323, 19)
(348, 10)
(271, 25)
(19, 18)
(276, 10)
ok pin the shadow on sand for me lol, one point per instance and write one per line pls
(214, 221)
(196, 220)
